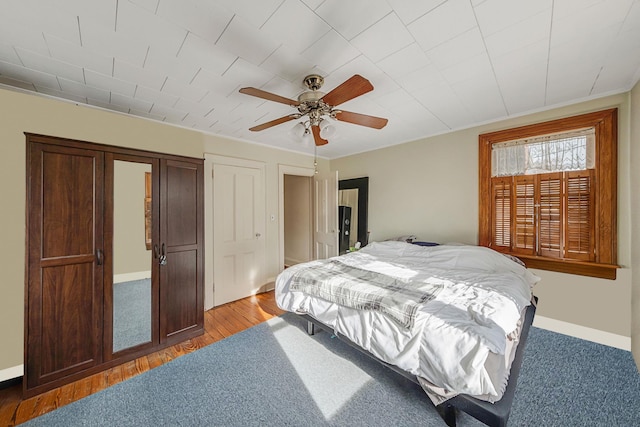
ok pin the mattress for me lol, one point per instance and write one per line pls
(461, 341)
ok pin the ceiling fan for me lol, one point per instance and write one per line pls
(318, 106)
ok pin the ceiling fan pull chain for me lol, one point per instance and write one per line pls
(315, 159)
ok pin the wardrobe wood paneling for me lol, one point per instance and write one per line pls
(69, 270)
(181, 226)
(64, 290)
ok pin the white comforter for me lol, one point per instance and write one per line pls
(460, 340)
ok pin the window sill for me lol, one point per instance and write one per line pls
(582, 268)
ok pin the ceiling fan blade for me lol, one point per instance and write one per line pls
(268, 96)
(316, 136)
(361, 119)
(274, 122)
(352, 88)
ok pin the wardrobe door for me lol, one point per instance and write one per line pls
(181, 250)
(65, 262)
(131, 201)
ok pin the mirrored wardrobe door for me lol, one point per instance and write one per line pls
(131, 292)
(353, 201)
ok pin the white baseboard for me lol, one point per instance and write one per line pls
(293, 261)
(11, 373)
(270, 284)
(583, 332)
(127, 277)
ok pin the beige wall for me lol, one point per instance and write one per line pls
(635, 222)
(30, 113)
(430, 188)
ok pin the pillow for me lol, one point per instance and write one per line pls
(425, 243)
(515, 259)
(409, 238)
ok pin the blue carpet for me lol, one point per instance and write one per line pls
(566, 381)
(131, 313)
(275, 374)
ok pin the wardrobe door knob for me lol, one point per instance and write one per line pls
(163, 257)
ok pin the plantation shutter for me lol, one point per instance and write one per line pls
(558, 181)
(580, 224)
(501, 224)
(550, 215)
(524, 225)
(542, 201)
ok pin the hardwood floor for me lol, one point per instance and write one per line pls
(219, 322)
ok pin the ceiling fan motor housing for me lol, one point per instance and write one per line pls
(310, 97)
(314, 81)
(310, 102)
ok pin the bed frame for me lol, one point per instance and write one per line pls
(492, 414)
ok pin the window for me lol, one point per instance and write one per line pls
(548, 193)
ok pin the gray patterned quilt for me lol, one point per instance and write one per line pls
(365, 290)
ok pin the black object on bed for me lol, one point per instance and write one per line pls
(492, 414)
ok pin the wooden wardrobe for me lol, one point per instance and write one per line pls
(84, 220)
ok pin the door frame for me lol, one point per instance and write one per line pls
(209, 161)
(296, 171)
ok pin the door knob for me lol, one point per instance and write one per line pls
(258, 235)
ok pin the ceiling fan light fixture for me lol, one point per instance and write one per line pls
(297, 131)
(327, 130)
(307, 138)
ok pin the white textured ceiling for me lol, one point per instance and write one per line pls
(435, 65)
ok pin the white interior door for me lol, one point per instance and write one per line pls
(325, 215)
(238, 231)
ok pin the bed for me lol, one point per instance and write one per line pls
(453, 318)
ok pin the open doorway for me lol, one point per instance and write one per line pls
(298, 230)
(294, 199)
(323, 212)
